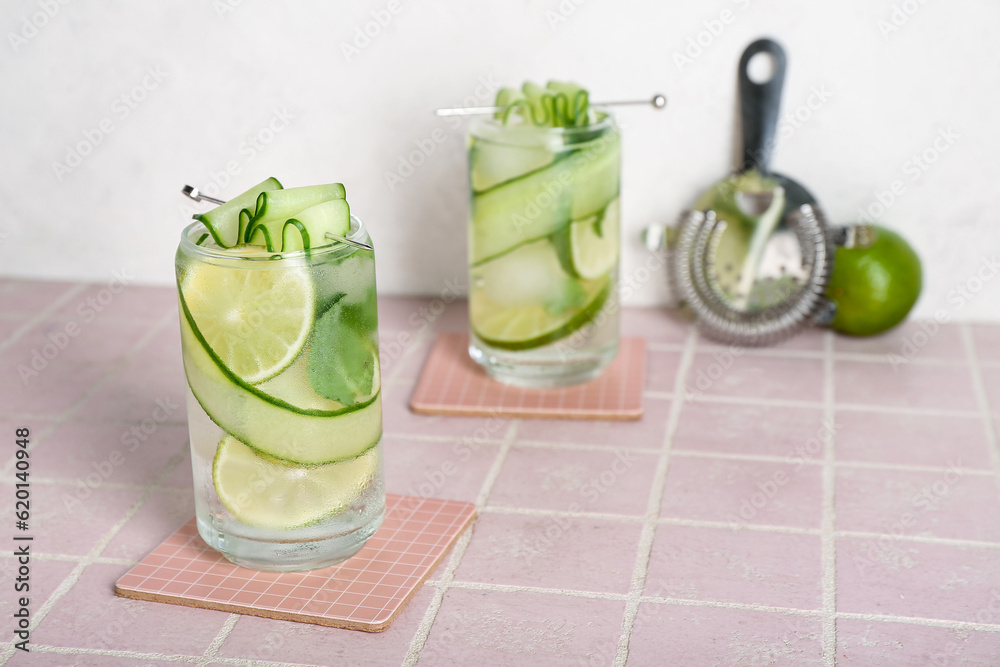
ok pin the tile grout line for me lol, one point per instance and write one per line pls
(693, 453)
(762, 403)
(92, 422)
(55, 422)
(74, 576)
(509, 588)
(920, 539)
(220, 638)
(815, 405)
(569, 446)
(117, 653)
(982, 398)
(446, 439)
(725, 604)
(817, 355)
(92, 555)
(62, 481)
(40, 316)
(643, 552)
(681, 602)
(917, 620)
(178, 658)
(829, 524)
(458, 552)
(676, 452)
(870, 465)
(529, 511)
(66, 558)
(622, 518)
(400, 362)
(670, 521)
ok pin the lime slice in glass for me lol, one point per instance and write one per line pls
(526, 327)
(255, 319)
(593, 244)
(263, 492)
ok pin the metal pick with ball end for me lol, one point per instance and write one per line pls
(195, 194)
(657, 102)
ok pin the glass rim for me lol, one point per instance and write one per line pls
(358, 233)
(606, 120)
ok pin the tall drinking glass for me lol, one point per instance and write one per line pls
(543, 250)
(284, 406)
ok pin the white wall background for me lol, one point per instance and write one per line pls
(226, 68)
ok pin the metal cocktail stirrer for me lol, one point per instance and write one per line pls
(657, 102)
(195, 194)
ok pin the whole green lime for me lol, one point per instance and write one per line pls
(874, 287)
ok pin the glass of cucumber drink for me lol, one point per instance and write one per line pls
(279, 334)
(544, 237)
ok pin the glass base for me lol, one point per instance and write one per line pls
(544, 368)
(282, 556)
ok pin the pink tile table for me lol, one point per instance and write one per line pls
(816, 503)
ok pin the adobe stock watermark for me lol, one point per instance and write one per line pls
(121, 108)
(914, 168)
(370, 30)
(929, 498)
(34, 23)
(131, 440)
(961, 294)
(649, 620)
(722, 361)
(408, 164)
(628, 285)
(899, 16)
(434, 480)
(563, 11)
(711, 30)
(769, 488)
(421, 319)
(793, 120)
(590, 493)
(967, 290)
(57, 341)
(224, 7)
(557, 185)
(251, 146)
(990, 613)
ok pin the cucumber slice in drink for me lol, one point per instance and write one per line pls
(266, 423)
(510, 99)
(274, 208)
(525, 328)
(527, 276)
(524, 209)
(223, 221)
(309, 228)
(491, 164)
(578, 101)
(540, 203)
(524, 299)
(589, 248)
(540, 108)
(558, 104)
(254, 319)
(263, 492)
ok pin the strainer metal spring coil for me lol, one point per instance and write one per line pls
(692, 272)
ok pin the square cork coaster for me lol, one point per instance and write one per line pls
(453, 384)
(365, 592)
